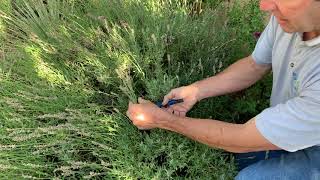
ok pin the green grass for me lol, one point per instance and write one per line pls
(69, 68)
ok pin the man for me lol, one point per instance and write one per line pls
(290, 47)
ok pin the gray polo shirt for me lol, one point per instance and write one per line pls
(293, 120)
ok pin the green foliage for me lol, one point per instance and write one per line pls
(245, 19)
(69, 68)
(160, 155)
(5, 6)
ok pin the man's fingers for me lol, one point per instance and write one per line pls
(178, 110)
(180, 113)
(183, 113)
(142, 101)
(129, 115)
(129, 108)
(178, 107)
(167, 97)
(143, 128)
(170, 110)
(130, 104)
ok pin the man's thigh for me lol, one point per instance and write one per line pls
(300, 165)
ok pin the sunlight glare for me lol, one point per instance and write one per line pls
(141, 117)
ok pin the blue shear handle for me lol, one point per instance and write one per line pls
(174, 101)
(170, 103)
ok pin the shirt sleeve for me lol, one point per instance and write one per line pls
(262, 53)
(295, 124)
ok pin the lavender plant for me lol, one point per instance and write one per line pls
(71, 67)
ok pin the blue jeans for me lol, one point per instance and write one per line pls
(279, 165)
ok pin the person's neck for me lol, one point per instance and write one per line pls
(310, 35)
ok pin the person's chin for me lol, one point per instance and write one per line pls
(287, 29)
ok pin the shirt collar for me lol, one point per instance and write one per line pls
(310, 43)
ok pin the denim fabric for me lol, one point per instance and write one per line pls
(245, 159)
(300, 165)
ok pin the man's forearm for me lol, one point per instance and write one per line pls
(210, 132)
(218, 134)
(236, 77)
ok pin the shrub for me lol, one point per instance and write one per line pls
(73, 65)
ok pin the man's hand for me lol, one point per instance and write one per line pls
(146, 115)
(189, 96)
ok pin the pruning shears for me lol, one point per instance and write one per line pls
(170, 103)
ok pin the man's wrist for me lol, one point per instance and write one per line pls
(167, 121)
(196, 87)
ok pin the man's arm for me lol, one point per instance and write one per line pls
(230, 137)
(236, 77)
